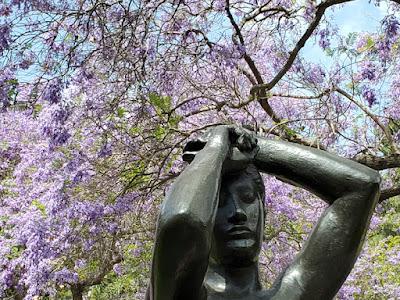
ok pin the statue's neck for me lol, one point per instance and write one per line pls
(235, 281)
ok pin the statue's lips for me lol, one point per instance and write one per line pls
(240, 232)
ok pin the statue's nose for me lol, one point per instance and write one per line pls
(238, 215)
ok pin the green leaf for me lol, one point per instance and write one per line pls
(351, 38)
(121, 112)
(160, 132)
(40, 206)
(369, 45)
(37, 109)
(329, 52)
(394, 125)
(15, 252)
(174, 120)
(160, 102)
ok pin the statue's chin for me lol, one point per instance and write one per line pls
(241, 244)
(241, 252)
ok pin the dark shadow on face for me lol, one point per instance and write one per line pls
(239, 222)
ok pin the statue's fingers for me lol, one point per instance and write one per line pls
(253, 141)
(248, 144)
(245, 144)
(240, 140)
(237, 133)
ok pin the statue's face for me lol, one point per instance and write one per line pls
(238, 225)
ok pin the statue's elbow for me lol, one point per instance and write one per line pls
(184, 229)
(374, 180)
(370, 182)
(181, 218)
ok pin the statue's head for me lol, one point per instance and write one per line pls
(238, 230)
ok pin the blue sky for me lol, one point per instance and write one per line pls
(360, 15)
(356, 16)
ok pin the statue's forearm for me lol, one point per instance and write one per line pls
(195, 191)
(185, 225)
(326, 175)
(350, 188)
(193, 196)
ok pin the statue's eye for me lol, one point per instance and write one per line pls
(247, 197)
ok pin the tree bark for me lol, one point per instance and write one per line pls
(77, 292)
(389, 193)
(380, 163)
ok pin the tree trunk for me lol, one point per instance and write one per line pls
(77, 292)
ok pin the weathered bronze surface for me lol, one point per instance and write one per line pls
(210, 228)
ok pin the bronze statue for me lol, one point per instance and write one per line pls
(210, 228)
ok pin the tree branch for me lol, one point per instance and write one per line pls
(251, 64)
(372, 116)
(380, 163)
(389, 193)
(256, 90)
(261, 10)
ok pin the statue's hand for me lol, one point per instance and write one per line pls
(244, 140)
(244, 148)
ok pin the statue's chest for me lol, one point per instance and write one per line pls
(213, 296)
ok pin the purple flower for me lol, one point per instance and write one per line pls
(105, 151)
(52, 92)
(118, 269)
(309, 11)
(66, 276)
(369, 95)
(315, 75)
(61, 115)
(60, 137)
(384, 48)
(5, 37)
(368, 70)
(5, 10)
(391, 27)
(324, 41)
(219, 5)
(25, 64)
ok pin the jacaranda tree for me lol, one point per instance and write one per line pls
(98, 97)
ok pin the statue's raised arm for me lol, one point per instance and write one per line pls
(210, 229)
(350, 189)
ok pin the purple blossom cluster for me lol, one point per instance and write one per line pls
(368, 71)
(391, 27)
(391, 34)
(369, 95)
(52, 92)
(5, 37)
(7, 75)
(324, 41)
(315, 75)
(309, 10)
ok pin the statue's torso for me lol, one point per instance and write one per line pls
(260, 295)
(247, 297)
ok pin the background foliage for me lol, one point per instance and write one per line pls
(97, 98)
